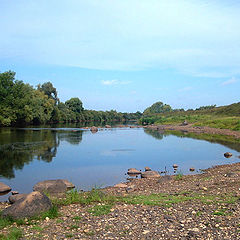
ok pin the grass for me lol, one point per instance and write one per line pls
(99, 210)
(37, 228)
(77, 218)
(84, 198)
(197, 118)
(14, 234)
(72, 227)
(179, 176)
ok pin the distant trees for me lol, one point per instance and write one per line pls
(158, 107)
(21, 103)
(206, 107)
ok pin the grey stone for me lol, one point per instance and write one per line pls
(53, 186)
(150, 174)
(12, 199)
(32, 205)
(4, 188)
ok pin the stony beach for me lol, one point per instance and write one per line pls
(201, 206)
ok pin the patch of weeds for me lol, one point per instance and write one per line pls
(74, 227)
(37, 228)
(108, 227)
(69, 235)
(220, 212)
(4, 222)
(77, 218)
(59, 221)
(14, 234)
(207, 178)
(51, 213)
(99, 210)
(90, 233)
(85, 198)
(199, 213)
(179, 176)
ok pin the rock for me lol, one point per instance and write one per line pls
(120, 185)
(133, 171)
(227, 154)
(175, 166)
(93, 129)
(150, 174)
(32, 205)
(148, 169)
(68, 184)
(53, 186)
(230, 174)
(4, 189)
(14, 192)
(108, 126)
(12, 199)
(191, 169)
(164, 179)
(184, 123)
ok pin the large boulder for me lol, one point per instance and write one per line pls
(227, 154)
(4, 188)
(93, 129)
(53, 186)
(150, 174)
(108, 126)
(133, 171)
(148, 169)
(32, 205)
(12, 199)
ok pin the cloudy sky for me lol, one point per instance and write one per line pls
(126, 54)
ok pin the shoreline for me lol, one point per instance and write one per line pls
(195, 129)
(200, 206)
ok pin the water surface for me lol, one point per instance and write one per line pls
(30, 155)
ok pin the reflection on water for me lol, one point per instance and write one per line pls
(20, 146)
(227, 141)
(29, 155)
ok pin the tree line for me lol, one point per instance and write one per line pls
(20, 103)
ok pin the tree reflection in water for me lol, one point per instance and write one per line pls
(21, 146)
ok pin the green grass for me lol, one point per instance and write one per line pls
(197, 118)
(72, 227)
(84, 198)
(179, 176)
(14, 234)
(77, 218)
(99, 210)
(37, 228)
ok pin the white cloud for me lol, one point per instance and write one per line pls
(186, 35)
(114, 82)
(230, 81)
(185, 89)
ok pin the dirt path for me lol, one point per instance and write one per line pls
(194, 129)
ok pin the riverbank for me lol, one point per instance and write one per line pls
(202, 206)
(195, 129)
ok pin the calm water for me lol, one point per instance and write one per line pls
(29, 155)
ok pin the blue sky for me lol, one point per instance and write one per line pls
(126, 54)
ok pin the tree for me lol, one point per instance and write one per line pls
(158, 107)
(75, 105)
(49, 90)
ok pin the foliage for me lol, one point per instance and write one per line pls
(157, 107)
(20, 103)
(14, 234)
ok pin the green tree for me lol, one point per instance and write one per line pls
(158, 107)
(75, 105)
(49, 90)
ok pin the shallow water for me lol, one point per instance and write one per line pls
(30, 155)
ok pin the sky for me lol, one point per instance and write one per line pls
(126, 54)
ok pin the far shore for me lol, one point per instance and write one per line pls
(195, 129)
